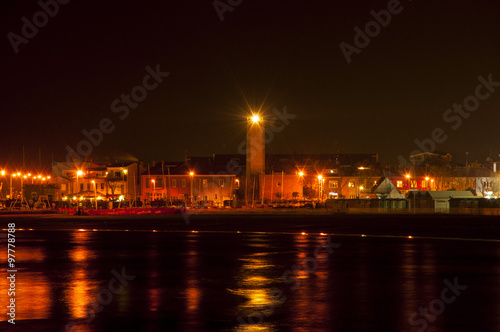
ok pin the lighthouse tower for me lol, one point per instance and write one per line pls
(255, 146)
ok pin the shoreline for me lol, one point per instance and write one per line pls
(408, 225)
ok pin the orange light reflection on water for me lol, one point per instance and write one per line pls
(81, 292)
(29, 285)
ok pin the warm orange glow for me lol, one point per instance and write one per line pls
(320, 177)
(255, 118)
(79, 172)
(191, 173)
(301, 173)
(426, 178)
(18, 174)
(2, 172)
(25, 176)
(48, 177)
(153, 181)
(407, 176)
(39, 176)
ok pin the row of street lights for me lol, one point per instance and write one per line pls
(24, 177)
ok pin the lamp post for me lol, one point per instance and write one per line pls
(11, 176)
(360, 191)
(95, 193)
(320, 178)
(191, 174)
(154, 188)
(2, 173)
(301, 176)
(408, 182)
(78, 173)
(125, 179)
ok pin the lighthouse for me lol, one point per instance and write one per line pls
(255, 152)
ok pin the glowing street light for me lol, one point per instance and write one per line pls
(301, 174)
(95, 193)
(154, 188)
(320, 180)
(78, 174)
(192, 175)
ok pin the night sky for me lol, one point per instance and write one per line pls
(263, 55)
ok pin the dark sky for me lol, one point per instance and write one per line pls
(269, 54)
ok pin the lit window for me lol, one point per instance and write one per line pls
(221, 182)
(205, 183)
(332, 184)
(399, 184)
(351, 184)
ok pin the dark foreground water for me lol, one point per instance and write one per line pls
(84, 280)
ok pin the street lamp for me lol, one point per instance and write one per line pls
(2, 173)
(154, 188)
(360, 191)
(78, 174)
(408, 182)
(320, 178)
(95, 193)
(192, 175)
(11, 176)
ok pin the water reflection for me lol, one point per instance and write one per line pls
(29, 285)
(81, 288)
(254, 285)
(193, 292)
(409, 284)
(154, 286)
(309, 301)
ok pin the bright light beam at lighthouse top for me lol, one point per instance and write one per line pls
(255, 118)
